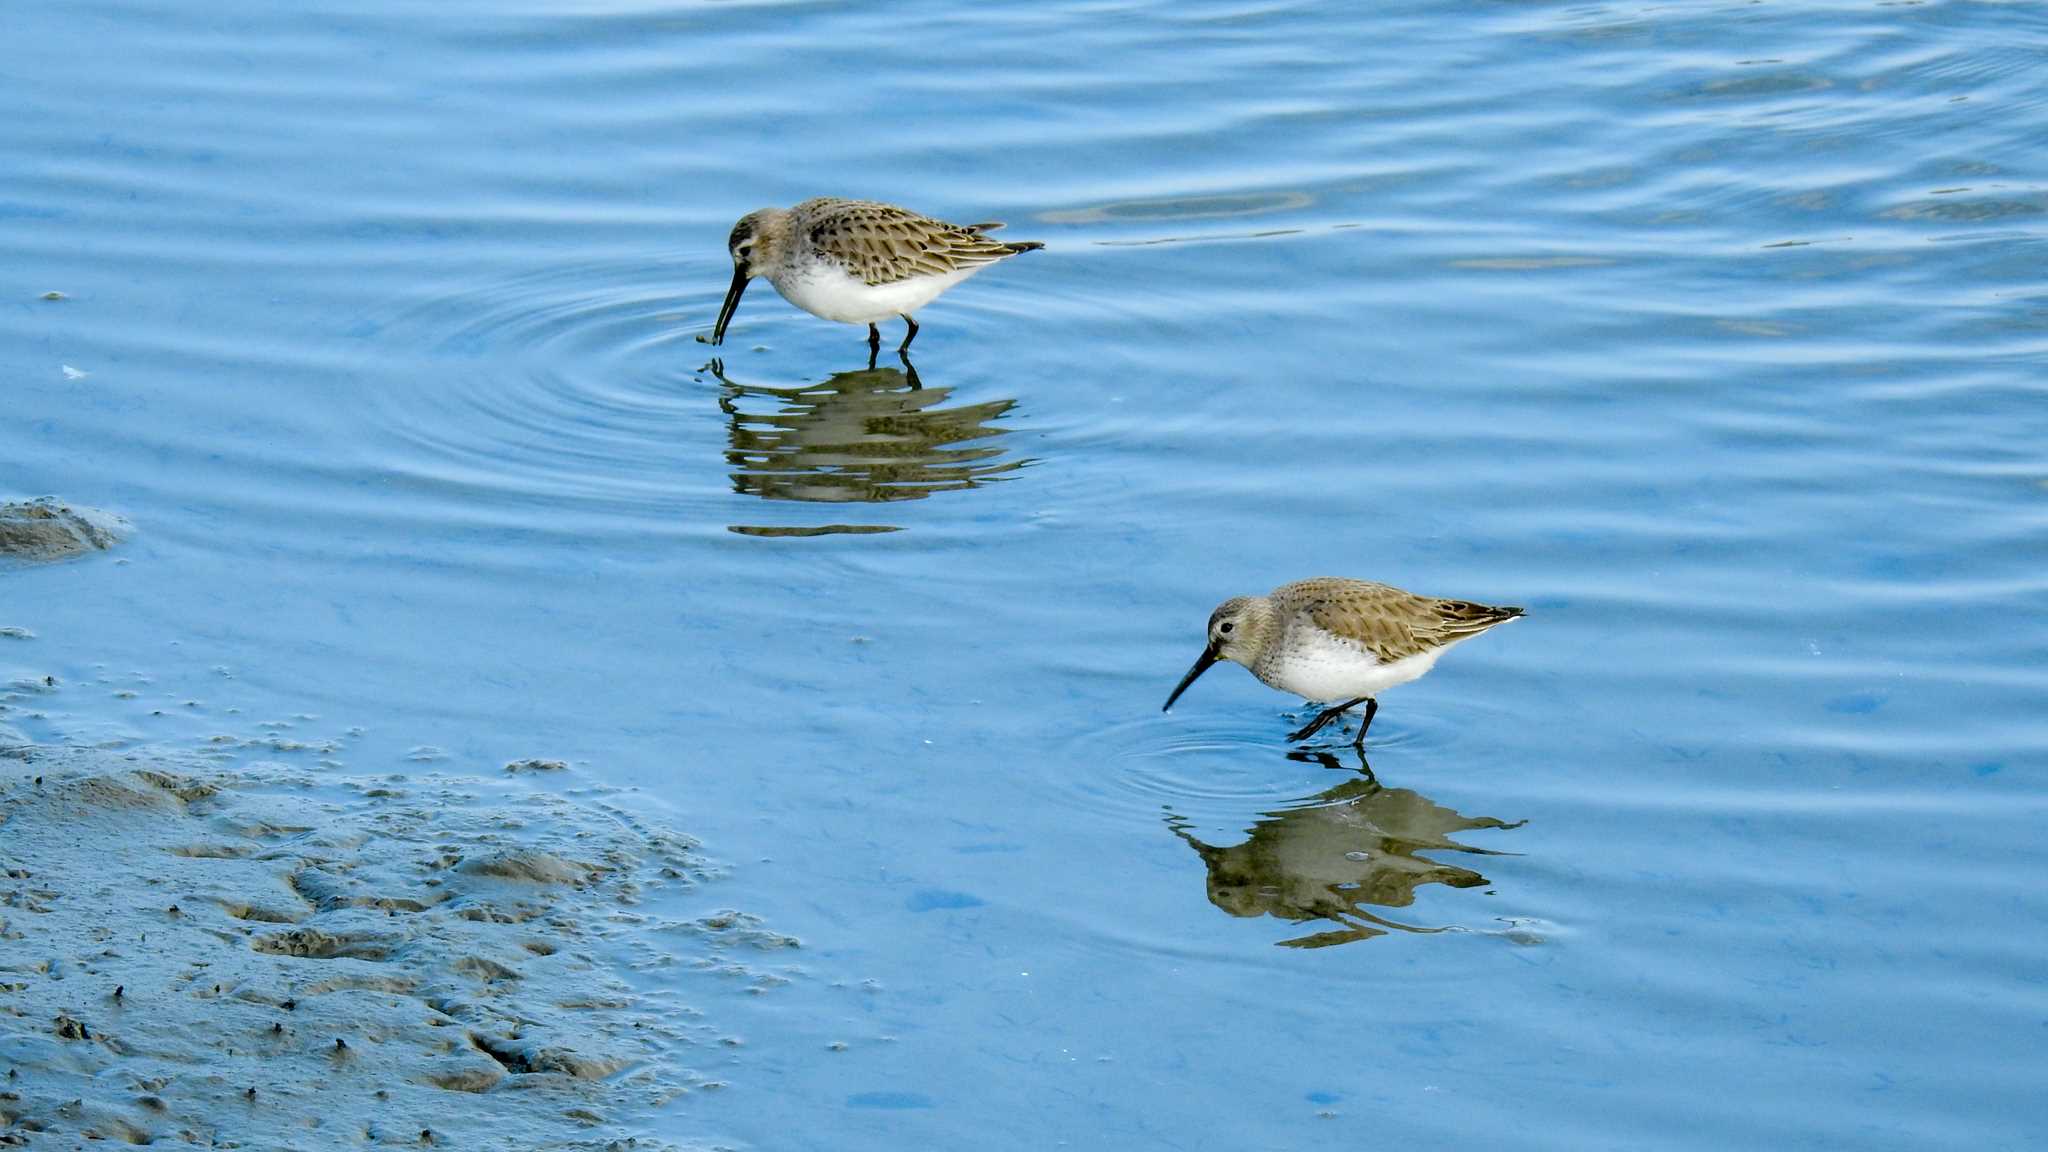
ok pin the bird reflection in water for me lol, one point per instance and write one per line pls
(1331, 855)
(876, 435)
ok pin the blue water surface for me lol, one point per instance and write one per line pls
(1714, 334)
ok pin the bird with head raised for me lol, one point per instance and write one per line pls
(1335, 639)
(857, 261)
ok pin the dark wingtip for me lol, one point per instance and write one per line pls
(1024, 246)
(1500, 614)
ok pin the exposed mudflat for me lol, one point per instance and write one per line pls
(45, 529)
(266, 956)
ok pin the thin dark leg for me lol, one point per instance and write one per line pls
(874, 343)
(909, 334)
(1325, 716)
(909, 370)
(1371, 706)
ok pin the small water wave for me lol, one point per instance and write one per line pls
(576, 385)
(585, 386)
(1224, 768)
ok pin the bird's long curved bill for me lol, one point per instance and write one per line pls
(732, 303)
(1208, 658)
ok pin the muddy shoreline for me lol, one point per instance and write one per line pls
(266, 956)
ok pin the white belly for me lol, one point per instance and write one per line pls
(824, 290)
(1323, 668)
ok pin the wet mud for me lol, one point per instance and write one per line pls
(39, 531)
(266, 956)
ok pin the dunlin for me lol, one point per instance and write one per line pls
(856, 261)
(1335, 639)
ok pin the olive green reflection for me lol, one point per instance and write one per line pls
(877, 435)
(1357, 844)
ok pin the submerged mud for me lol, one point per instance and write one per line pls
(263, 956)
(44, 530)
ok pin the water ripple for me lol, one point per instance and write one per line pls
(570, 387)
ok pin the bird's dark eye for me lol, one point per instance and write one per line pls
(1225, 629)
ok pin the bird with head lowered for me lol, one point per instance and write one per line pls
(1338, 641)
(857, 261)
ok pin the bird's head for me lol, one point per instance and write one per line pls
(755, 243)
(1239, 631)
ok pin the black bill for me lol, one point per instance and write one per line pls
(1208, 658)
(732, 303)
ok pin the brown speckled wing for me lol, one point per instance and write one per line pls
(1388, 622)
(882, 244)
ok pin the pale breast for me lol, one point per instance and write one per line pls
(1324, 667)
(824, 289)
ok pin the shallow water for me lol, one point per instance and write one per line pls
(1714, 334)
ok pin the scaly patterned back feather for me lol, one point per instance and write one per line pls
(1385, 620)
(882, 244)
